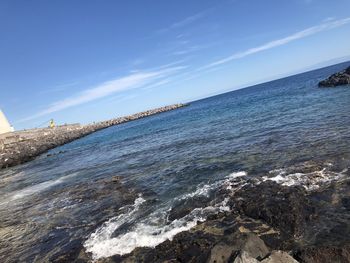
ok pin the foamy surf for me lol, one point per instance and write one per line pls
(101, 243)
(204, 190)
(153, 229)
(310, 181)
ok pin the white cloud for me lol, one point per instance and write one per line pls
(184, 22)
(330, 18)
(132, 81)
(280, 42)
(61, 87)
(188, 20)
(157, 84)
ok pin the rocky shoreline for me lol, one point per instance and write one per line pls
(267, 221)
(22, 146)
(337, 79)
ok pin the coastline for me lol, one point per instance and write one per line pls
(23, 146)
(261, 220)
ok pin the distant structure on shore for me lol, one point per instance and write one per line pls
(4, 124)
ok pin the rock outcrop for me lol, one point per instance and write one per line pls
(337, 79)
(22, 146)
(285, 208)
(267, 222)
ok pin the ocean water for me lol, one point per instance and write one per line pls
(67, 202)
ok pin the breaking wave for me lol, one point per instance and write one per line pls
(155, 228)
(310, 181)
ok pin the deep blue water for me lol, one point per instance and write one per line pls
(46, 207)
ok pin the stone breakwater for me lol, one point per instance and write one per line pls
(22, 146)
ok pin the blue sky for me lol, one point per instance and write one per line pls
(84, 61)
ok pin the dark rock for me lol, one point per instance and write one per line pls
(337, 79)
(347, 71)
(264, 213)
(346, 202)
(201, 244)
(250, 243)
(325, 254)
(184, 207)
(285, 208)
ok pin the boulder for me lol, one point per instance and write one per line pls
(221, 253)
(249, 243)
(244, 257)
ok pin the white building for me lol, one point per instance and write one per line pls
(4, 124)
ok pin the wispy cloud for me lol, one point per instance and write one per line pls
(131, 81)
(330, 18)
(184, 22)
(60, 87)
(157, 84)
(280, 42)
(188, 20)
(186, 51)
(190, 49)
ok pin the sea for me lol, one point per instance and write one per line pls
(115, 190)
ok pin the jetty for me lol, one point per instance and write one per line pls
(22, 146)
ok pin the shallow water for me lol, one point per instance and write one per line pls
(65, 202)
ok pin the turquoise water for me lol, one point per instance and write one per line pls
(54, 205)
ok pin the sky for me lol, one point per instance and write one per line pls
(84, 61)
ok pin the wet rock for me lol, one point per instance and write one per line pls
(324, 254)
(346, 202)
(337, 79)
(264, 216)
(184, 207)
(61, 231)
(285, 208)
(279, 257)
(116, 179)
(201, 244)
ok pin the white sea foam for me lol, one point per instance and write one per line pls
(145, 234)
(155, 229)
(310, 181)
(150, 232)
(237, 174)
(101, 243)
(204, 190)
